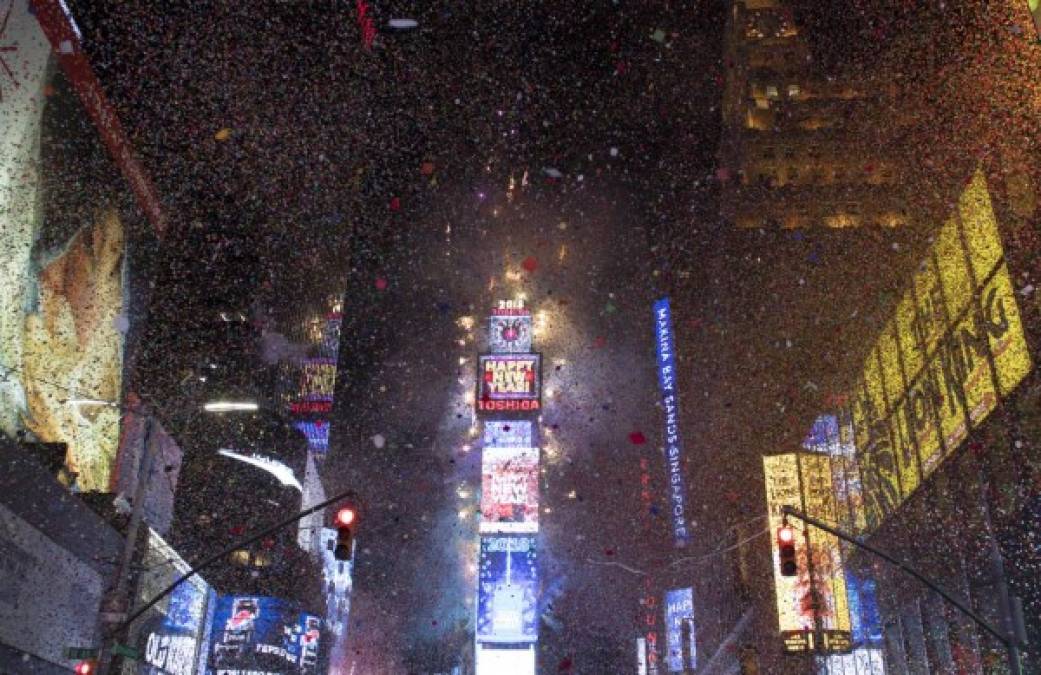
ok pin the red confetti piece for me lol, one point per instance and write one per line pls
(426, 168)
(599, 342)
(395, 203)
(637, 438)
(381, 284)
(565, 665)
(530, 264)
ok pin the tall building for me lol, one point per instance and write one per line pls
(791, 154)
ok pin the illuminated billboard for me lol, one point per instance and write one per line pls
(954, 347)
(258, 633)
(509, 383)
(665, 346)
(170, 635)
(507, 587)
(804, 482)
(508, 434)
(316, 385)
(509, 334)
(509, 490)
(62, 320)
(679, 611)
(490, 660)
(317, 433)
(1035, 13)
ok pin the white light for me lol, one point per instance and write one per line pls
(463, 492)
(466, 447)
(470, 398)
(92, 402)
(512, 275)
(551, 392)
(230, 406)
(465, 322)
(462, 514)
(461, 343)
(274, 467)
(523, 297)
(463, 360)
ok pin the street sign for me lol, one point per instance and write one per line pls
(128, 652)
(80, 653)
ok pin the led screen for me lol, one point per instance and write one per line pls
(954, 347)
(261, 633)
(679, 609)
(61, 261)
(509, 334)
(508, 434)
(492, 661)
(794, 611)
(665, 345)
(509, 382)
(509, 490)
(317, 433)
(506, 590)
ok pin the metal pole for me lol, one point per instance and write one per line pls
(224, 553)
(116, 601)
(1008, 642)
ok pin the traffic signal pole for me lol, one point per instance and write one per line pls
(271, 529)
(1009, 641)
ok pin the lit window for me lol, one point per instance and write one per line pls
(239, 557)
(262, 559)
(793, 90)
(771, 91)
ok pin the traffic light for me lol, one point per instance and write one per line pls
(344, 524)
(786, 548)
(88, 667)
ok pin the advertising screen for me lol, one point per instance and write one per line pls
(317, 381)
(509, 334)
(679, 610)
(794, 609)
(492, 661)
(169, 637)
(509, 383)
(509, 490)
(62, 247)
(863, 609)
(506, 590)
(665, 345)
(508, 434)
(258, 633)
(954, 347)
(317, 432)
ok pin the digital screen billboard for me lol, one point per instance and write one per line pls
(679, 610)
(171, 635)
(665, 345)
(954, 347)
(258, 633)
(508, 434)
(509, 383)
(509, 490)
(804, 482)
(507, 587)
(515, 661)
(794, 609)
(317, 433)
(863, 609)
(62, 248)
(316, 385)
(509, 334)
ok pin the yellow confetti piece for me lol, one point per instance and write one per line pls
(222, 135)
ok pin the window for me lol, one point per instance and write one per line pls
(793, 90)
(771, 91)
(239, 557)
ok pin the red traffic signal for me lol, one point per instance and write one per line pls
(343, 521)
(344, 517)
(786, 551)
(85, 668)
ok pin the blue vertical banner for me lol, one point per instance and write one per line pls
(679, 609)
(665, 345)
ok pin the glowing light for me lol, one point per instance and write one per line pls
(572, 495)
(91, 402)
(231, 406)
(513, 275)
(463, 360)
(345, 516)
(461, 342)
(786, 535)
(466, 447)
(463, 492)
(470, 398)
(465, 322)
(462, 514)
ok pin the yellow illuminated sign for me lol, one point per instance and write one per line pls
(953, 347)
(804, 481)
